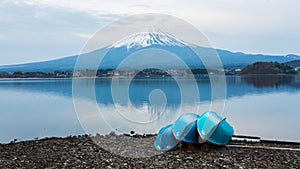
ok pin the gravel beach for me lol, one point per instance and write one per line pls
(82, 152)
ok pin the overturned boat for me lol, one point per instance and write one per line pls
(214, 129)
(185, 128)
(165, 139)
(195, 129)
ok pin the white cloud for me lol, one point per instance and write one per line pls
(84, 35)
(247, 26)
(223, 16)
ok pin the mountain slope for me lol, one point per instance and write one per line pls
(294, 64)
(66, 63)
(150, 41)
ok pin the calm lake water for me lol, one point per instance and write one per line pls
(266, 106)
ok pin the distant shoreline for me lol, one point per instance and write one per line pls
(144, 77)
(257, 68)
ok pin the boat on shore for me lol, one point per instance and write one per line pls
(194, 129)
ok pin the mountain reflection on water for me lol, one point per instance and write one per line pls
(44, 107)
(140, 88)
(265, 81)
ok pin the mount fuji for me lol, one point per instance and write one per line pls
(153, 42)
(146, 39)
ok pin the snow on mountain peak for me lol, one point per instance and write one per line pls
(145, 39)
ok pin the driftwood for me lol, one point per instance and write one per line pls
(262, 147)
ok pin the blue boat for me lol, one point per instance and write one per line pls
(185, 128)
(214, 129)
(165, 139)
(192, 128)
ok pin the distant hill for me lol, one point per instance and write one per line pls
(267, 68)
(294, 64)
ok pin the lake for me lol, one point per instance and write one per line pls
(266, 106)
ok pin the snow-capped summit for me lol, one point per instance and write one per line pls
(145, 39)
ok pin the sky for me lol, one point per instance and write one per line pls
(38, 30)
